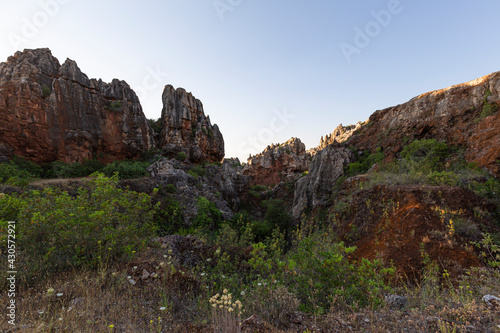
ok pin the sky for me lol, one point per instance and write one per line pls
(266, 70)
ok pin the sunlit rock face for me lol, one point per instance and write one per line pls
(464, 115)
(186, 128)
(54, 112)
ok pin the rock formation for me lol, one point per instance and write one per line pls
(314, 190)
(465, 115)
(340, 134)
(54, 112)
(222, 185)
(186, 128)
(278, 162)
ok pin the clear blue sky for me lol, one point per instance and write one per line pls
(248, 60)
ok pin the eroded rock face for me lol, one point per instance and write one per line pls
(186, 128)
(394, 223)
(314, 190)
(223, 185)
(55, 112)
(278, 162)
(454, 114)
(340, 134)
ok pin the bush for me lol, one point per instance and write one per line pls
(126, 169)
(258, 188)
(46, 91)
(197, 171)
(11, 174)
(428, 154)
(321, 276)
(60, 169)
(114, 106)
(277, 214)
(364, 163)
(208, 218)
(181, 156)
(156, 125)
(168, 217)
(100, 225)
(488, 108)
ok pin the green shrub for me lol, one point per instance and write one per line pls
(321, 276)
(181, 156)
(46, 91)
(446, 178)
(168, 217)
(60, 169)
(156, 125)
(262, 229)
(364, 163)
(12, 175)
(208, 217)
(98, 226)
(197, 171)
(277, 214)
(427, 154)
(126, 169)
(114, 106)
(170, 188)
(258, 188)
(35, 170)
(488, 108)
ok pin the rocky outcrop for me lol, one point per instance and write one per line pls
(50, 112)
(465, 115)
(55, 112)
(278, 163)
(186, 128)
(223, 185)
(340, 134)
(314, 190)
(395, 223)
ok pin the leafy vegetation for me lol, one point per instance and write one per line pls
(272, 267)
(488, 108)
(114, 106)
(197, 171)
(57, 232)
(46, 91)
(181, 156)
(126, 169)
(364, 163)
(156, 125)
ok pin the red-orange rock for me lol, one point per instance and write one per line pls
(51, 112)
(396, 222)
(454, 114)
(278, 162)
(186, 128)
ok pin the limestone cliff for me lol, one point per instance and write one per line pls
(186, 128)
(278, 162)
(464, 115)
(50, 112)
(55, 112)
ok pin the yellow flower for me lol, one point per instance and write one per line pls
(111, 326)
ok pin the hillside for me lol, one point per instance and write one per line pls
(392, 224)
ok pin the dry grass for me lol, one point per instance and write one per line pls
(107, 302)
